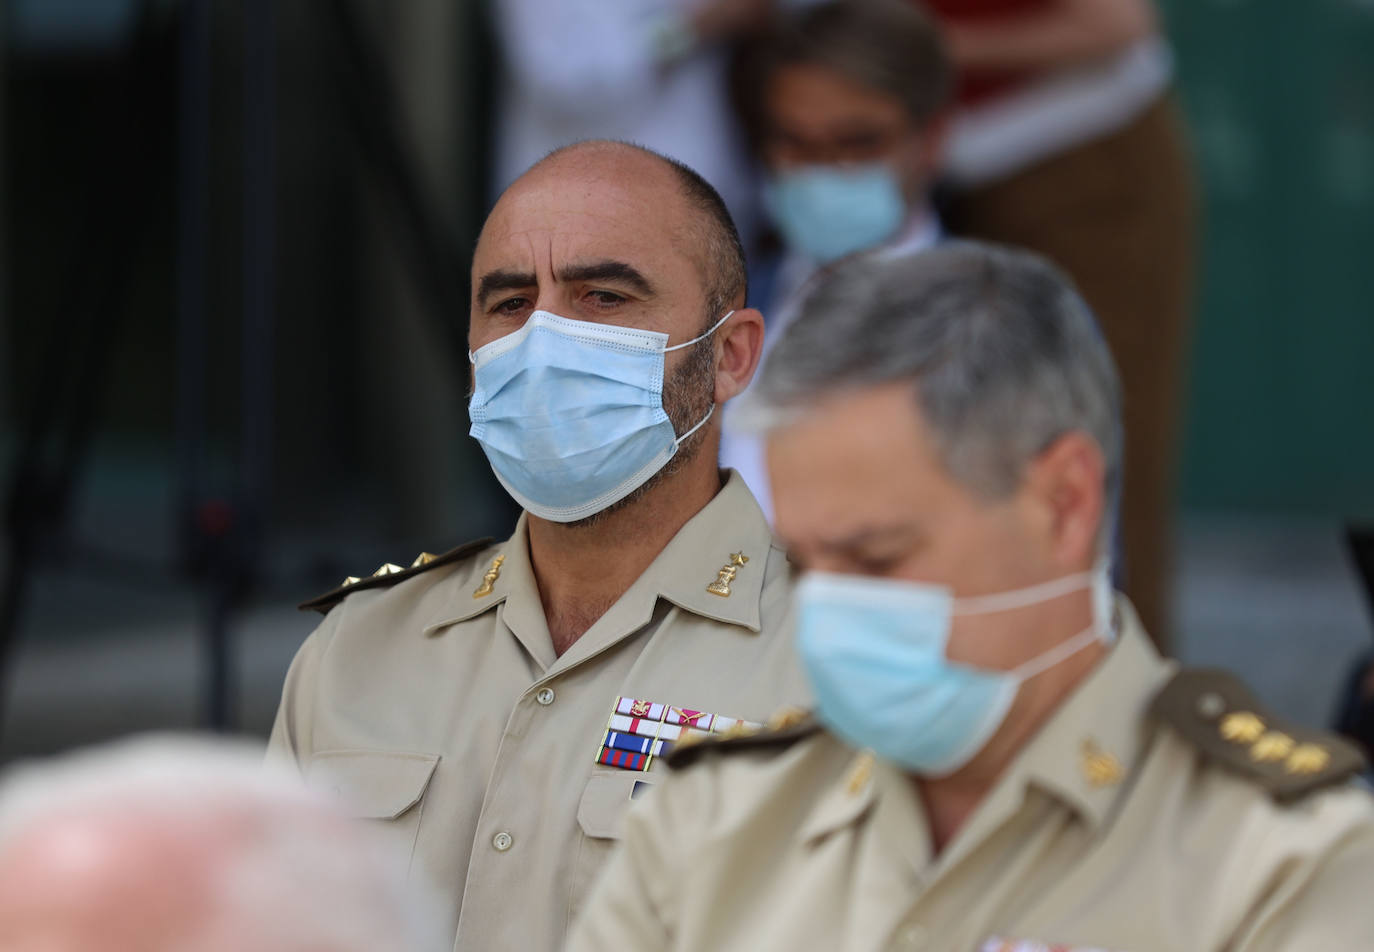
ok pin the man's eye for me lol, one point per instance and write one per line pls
(606, 297)
(878, 566)
(511, 305)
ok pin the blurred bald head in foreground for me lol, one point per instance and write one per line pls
(173, 844)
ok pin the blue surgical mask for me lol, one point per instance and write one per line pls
(828, 212)
(570, 413)
(874, 651)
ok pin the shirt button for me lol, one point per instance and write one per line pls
(502, 841)
(545, 697)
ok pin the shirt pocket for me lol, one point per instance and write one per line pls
(382, 785)
(601, 817)
(606, 798)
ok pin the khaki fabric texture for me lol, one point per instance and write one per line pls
(420, 706)
(816, 846)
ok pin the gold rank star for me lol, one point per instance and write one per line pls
(1274, 745)
(1242, 727)
(785, 718)
(1307, 759)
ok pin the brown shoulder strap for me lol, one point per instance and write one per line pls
(784, 729)
(1215, 712)
(390, 574)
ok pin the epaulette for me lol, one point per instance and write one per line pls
(389, 574)
(1219, 715)
(784, 728)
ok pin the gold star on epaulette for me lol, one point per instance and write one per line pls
(1241, 727)
(786, 717)
(390, 573)
(1220, 717)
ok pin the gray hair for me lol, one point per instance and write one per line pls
(285, 871)
(1004, 355)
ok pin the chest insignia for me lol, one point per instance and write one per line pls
(638, 731)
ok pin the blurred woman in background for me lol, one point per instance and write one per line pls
(844, 105)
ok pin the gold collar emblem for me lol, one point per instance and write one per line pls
(726, 574)
(1100, 768)
(490, 578)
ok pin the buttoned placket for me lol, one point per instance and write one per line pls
(656, 598)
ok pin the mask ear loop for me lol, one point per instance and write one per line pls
(1023, 597)
(700, 337)
(1060, 652)
(687, 344)
(699, 425)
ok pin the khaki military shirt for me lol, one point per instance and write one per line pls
(447, 715)
(1109, 831)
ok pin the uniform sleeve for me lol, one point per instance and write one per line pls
(292, 731)
(1329, 908)
(577, 57)
(628, 909)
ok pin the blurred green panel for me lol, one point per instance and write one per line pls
(1281, 102)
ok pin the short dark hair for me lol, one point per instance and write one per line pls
(887, 45)
(727, 278)
(724, 250)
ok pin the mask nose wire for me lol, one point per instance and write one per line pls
(714, 327)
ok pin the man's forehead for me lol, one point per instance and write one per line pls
(565, 215)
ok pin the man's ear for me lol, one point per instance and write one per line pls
(1065, 483)
(739, 348)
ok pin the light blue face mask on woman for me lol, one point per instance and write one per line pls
(874, 652)
(827, 212)
(570, 413)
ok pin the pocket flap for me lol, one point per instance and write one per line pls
(601, 812)
(380, 784)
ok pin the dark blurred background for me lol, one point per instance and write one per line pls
(234, 241)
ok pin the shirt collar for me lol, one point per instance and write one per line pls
(1084, 752)
(704, 551)
(731, 524)
(511, 575)
(1103, 717)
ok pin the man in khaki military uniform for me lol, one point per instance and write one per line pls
(1000, 761)
(499, 706)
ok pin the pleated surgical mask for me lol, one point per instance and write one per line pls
(570, 413)
(827, 212)
(874, 652)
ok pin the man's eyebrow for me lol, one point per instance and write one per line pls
(617, 271)
(494, 281)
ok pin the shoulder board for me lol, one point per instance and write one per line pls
(783, 730)
(390, 574)
(1218, 714)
